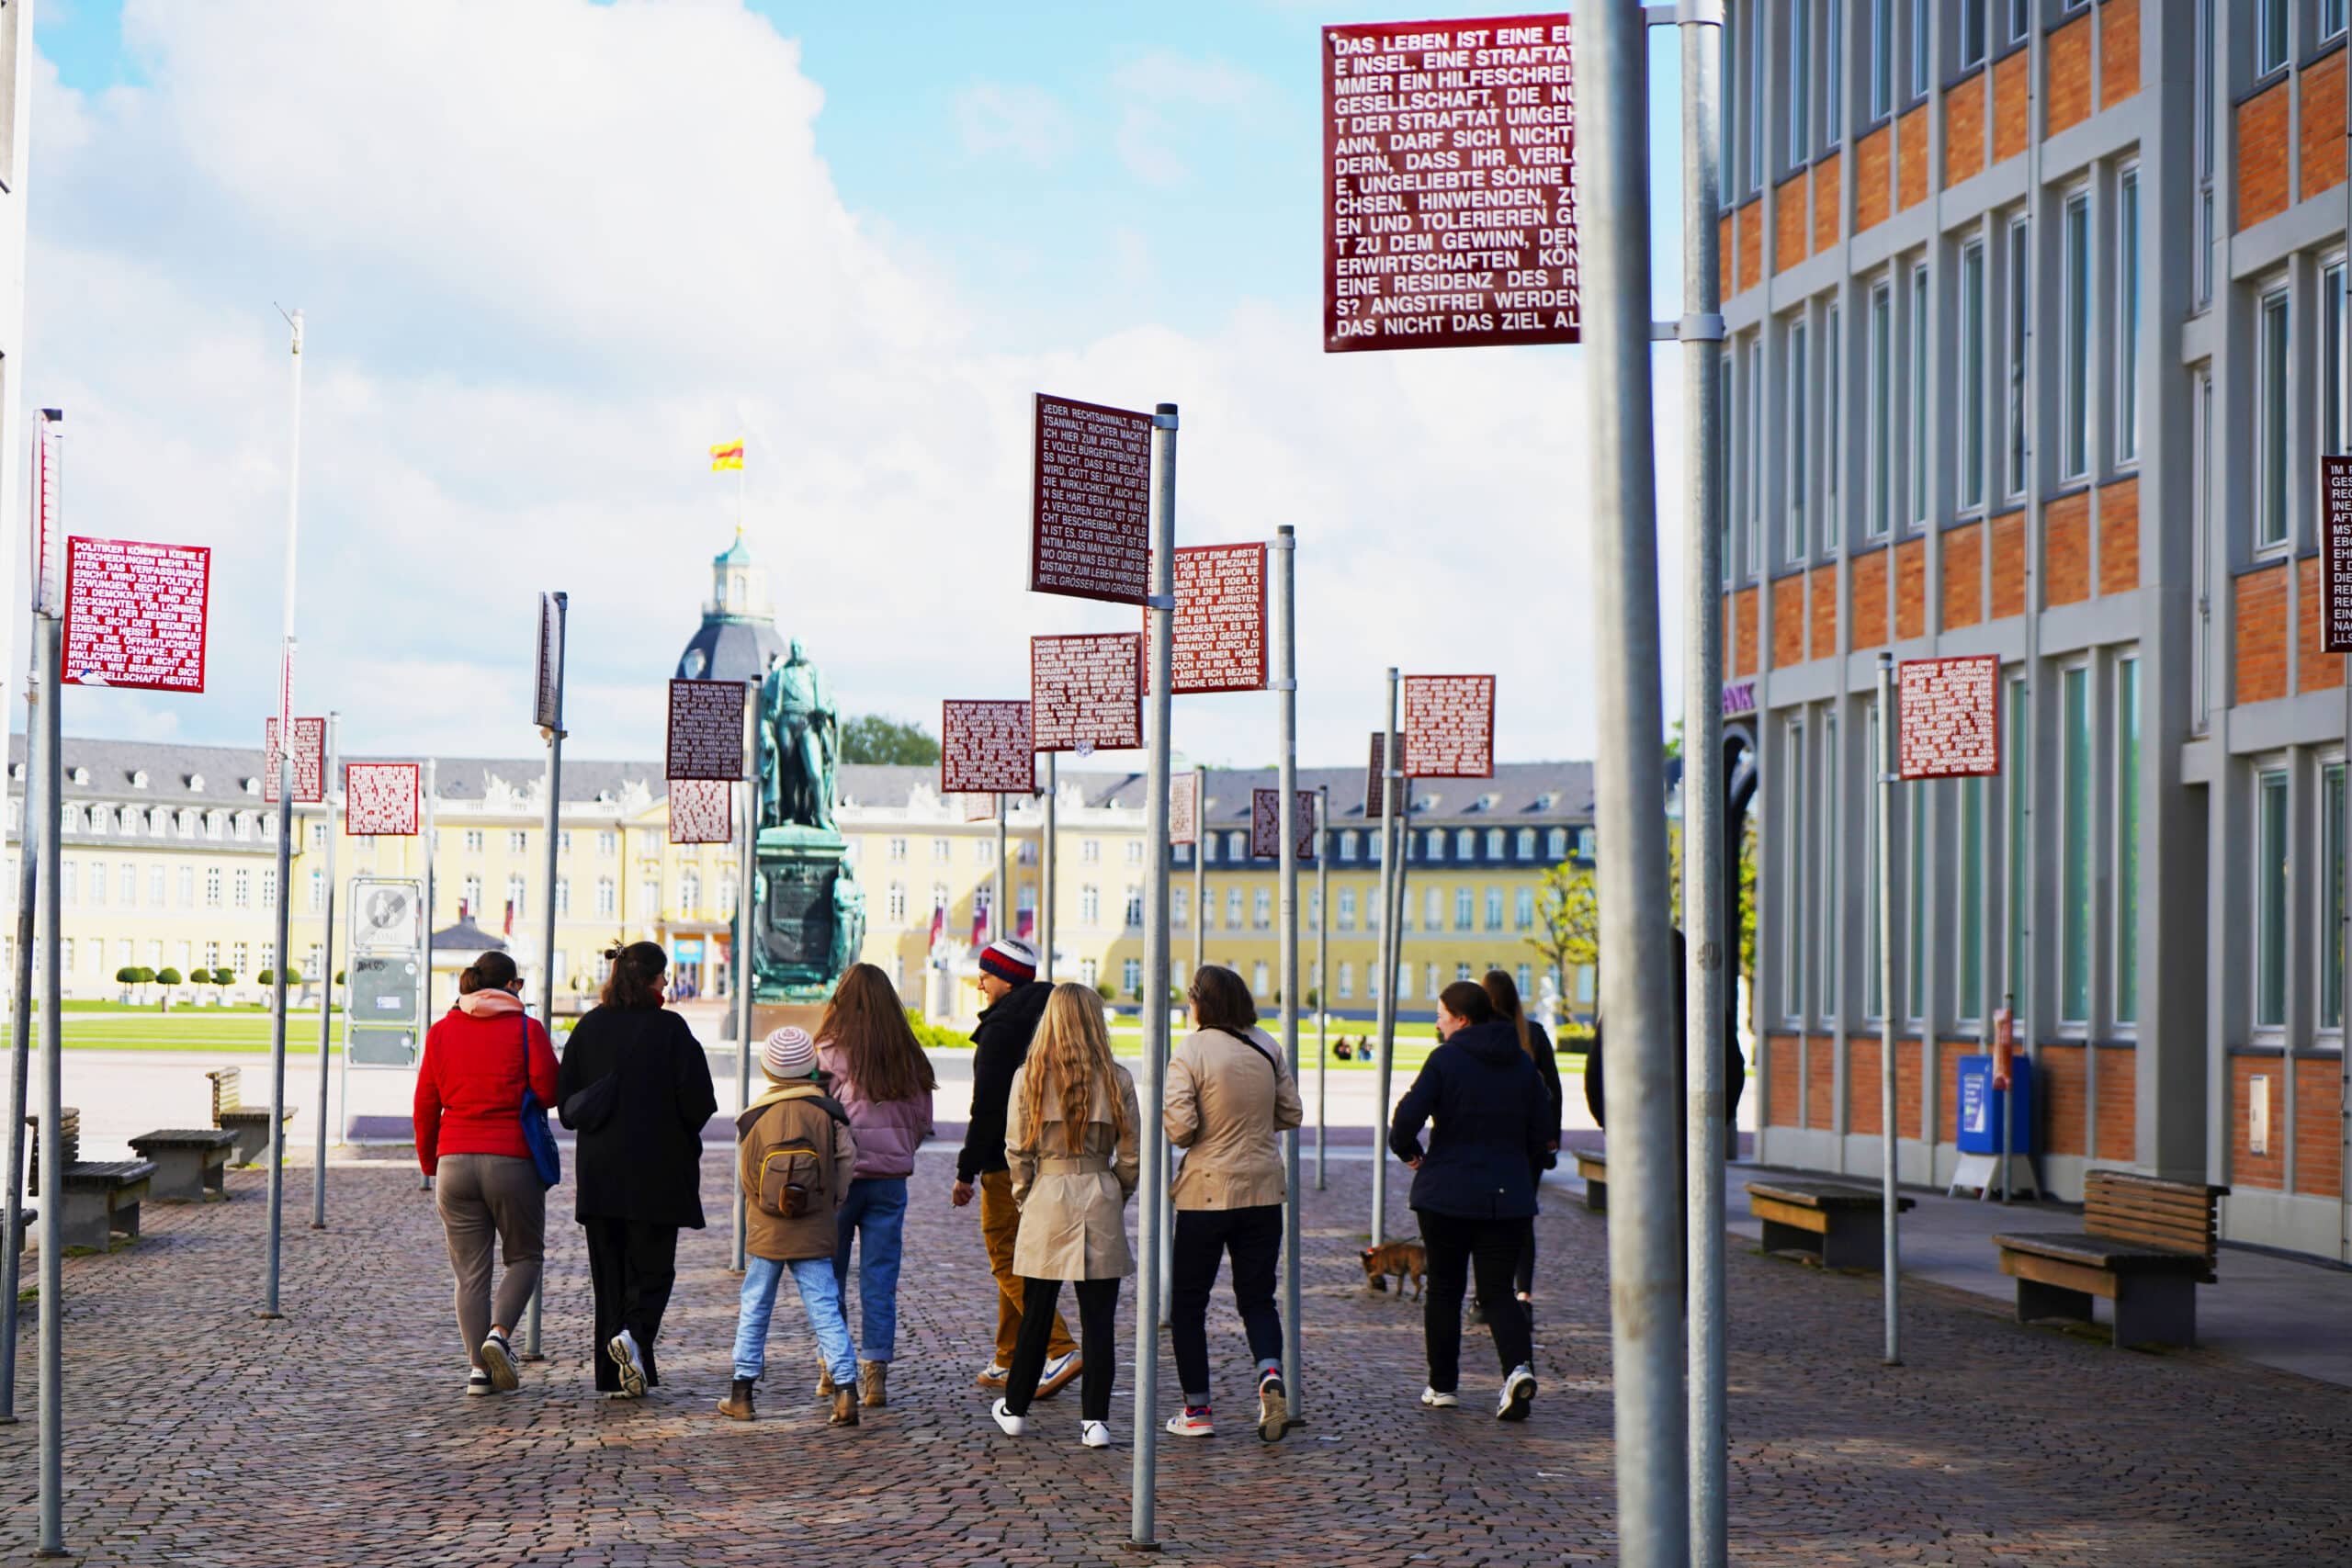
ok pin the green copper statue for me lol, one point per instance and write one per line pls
(800, 738)
(811, 919)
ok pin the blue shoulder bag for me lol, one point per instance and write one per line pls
(538, 1136)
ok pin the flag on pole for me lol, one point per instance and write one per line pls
(938, 923)
(729, 455)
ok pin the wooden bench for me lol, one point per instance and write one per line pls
(191, 1163)
(1593, 1168)
(1831, 1223)
(2145, 1246)
(230, 1114)
(100, 1196)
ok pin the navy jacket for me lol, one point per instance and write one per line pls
(1000, 1046)
(1492, 1119)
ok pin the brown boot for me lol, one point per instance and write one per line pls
(871, 1376)
(737, 1405)
(844, 1409)
(824, 1382)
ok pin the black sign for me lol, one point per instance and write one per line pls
(799, 925)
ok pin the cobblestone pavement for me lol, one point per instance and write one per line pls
(341, 1435)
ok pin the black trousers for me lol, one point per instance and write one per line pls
(1524, 1278)
(1456, 1245)
(1098, 1344)
(1254, 1237)
(631, 1269)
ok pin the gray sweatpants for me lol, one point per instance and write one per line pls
(485, 1198)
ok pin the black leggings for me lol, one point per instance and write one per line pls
(1457, 1245)
(1097, 1343)
(1523, 1278)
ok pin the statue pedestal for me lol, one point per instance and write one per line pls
(808, 918)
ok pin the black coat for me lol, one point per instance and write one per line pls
(1734, 1064)
(1000, 1045)
(1547, 1067)
(1492, 1123)
(643, 1162)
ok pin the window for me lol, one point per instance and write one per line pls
(1233, 909)
(1464, 910)
(607, 896)
(470, 890)
(2073, 433)
(1832, 828)
(1971, 33)
(1090, 906)
(1131, 976)
(99, 883)
(1792, 877)
(2019, 282)
(1795, 533)
(2269, 36)
(1466, 844)
(1495, 843)
(1832, 421)
(1236, 846)
(1208, 846)
(1526, 844)
(2270, 900)
(518, 842)
(1555, 844)
(1436, 841)
(1180, 908)
(608, 844)
(2127, 316)
(1135, 906)
(942, 851)
(1524, 911)
(2075, 836)
(1090, 850)
(1347, 981)
(1919, 38)
(2015, 764)
(1969, 919)
(1915, 957)
(1347, 922)
(1877, 517)
(1088, 971)
(473, 841)
(69, 884)
(129, 885)
(187, 887)
(1882, 82)
(898, 903)
(211, 885)
(689, 888)
(1347, 846)
(1258, 979)
(2335, 406)
(2331, 932)
(1873, 824)
(155, 894)
(1833, 69)
(1494, 908)
(2020, 19)
(1754, 453)
(1315, 909)
(270, 887)
(563, 899)
(1799, 80)
(2331, 18)
(1972, 379)
(2270, 423)
(898, 851)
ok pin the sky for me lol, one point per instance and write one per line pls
(549, 251)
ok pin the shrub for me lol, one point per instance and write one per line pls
(936, 1037)
(169, 978)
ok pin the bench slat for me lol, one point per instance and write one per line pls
(2195, 1211)
(2056, 1272)
(1825, 1195)
(1813, 1220)
(2152, 1235)
(2105, 1252)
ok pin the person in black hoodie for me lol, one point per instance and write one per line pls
(635, 1084)
(1734, 1064)
(1017, 999)
(1472, 1189)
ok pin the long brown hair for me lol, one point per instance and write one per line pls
(1503, 991)
(867, 1023)
(1073, 1051)
(636, 975)
(1222, 1001)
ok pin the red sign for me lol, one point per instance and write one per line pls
(2335, 554)
(1373, 770)
(134, 614)
(1219, 642)
(985, 749)
(1087, 692)
(982, 807)
(1449, 184)
(309, 760)
(706, 730)
(702, 811)
(46, 445)
(1090, 509)
(380, 799)
(1184, 809)
(1948, 718)
(1449, 726)
(1266, 824)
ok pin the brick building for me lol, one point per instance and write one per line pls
(2038, 327)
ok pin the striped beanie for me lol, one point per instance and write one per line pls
(789, 1053)
(1010, 959)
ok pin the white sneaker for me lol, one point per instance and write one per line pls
(622, 1348)
(498, 1359)
(1059, 1375)
(477, 1383)
(1437, 1401)
(993, 1376)
(1011, 1425)
(1193, 1421)
(1519, 1394)
(1094, 1433)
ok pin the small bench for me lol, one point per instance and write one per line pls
(1830, 1222)
(100, 1197)
(191, 1163)
(230, 1114)
(1593, 1169)
(2145, 1246)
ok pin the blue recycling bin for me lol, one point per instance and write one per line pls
(1979, 1109)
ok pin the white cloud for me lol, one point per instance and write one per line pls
(1161, 97)
(1027, 122)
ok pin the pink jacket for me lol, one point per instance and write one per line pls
(888, 1132)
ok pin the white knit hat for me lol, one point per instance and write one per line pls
(789, 1053)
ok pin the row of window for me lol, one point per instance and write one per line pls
(1473, 909)
(103, 885)
(87, 956)
(1467, 844)
(102, 820)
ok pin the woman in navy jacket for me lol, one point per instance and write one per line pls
(1473, 1188)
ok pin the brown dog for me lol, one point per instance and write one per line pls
(1403, 1258)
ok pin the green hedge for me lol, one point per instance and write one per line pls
(936, 1037)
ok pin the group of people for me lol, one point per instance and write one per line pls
(1052, 1153)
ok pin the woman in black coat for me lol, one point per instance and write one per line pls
(1503, 992)
(636, 1086)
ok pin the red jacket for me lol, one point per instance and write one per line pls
(469, 1089)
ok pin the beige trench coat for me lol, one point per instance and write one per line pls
(1227, 1103)
(1073, 1192)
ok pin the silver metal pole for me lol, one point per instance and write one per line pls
(1645, 1239)
(996, 889)
(1884, 870)
(432, 843)
(1322, 964)
(1158, 714)
(1200, 868)
(551, 826)
(1286, 781)
(1707, 1007)
(746, 908)
(1384, 1011)
(51, 632)
(20, 1036)
(285, 849)
(326, 981)
(1046, 875)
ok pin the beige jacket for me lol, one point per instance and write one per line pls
(1073, 1191)
(1228, 1102)
(795, 1132)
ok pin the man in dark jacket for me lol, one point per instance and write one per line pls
(1016, 998)
(1734, 1064)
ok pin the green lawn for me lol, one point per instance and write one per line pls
(206, 1030)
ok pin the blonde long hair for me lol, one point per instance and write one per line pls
(1072, 1051)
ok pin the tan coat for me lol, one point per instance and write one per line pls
(793, 1116)
(1073, 1191)
(1226, 1105)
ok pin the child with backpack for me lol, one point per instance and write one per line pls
(793, 1158)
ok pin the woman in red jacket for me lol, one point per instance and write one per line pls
(470, 1134)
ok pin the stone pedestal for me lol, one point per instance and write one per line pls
(808, 915)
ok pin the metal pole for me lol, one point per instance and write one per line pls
(745, 909)
(1884, 870)
(326, 983)
(1286, 781)
(1200, 868)
(285, 846)
(1045, 876)
(432, 842)
(1645, 1239)
(1707, 1008)
(20, 1039)
(551, 826)
(1158, 714)
(996, 889)
(1384, 1011)
(1322, 964)
(51, 630)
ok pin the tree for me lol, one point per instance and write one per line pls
(222, 979)
(870, 738)
(125, 977)
(168, 979)
(1567, 921)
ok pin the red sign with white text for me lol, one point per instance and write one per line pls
(984, 750)
(380, 799)
(309, 760)
(1948, 722)
(135, 613)
(1219, 640)
(1091, 502)
(1449, 726)
(2334, 553)
(1184, 809)
(1086, 692)
(1266, 825)
(702, 811)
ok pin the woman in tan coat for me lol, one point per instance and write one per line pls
(1071, 1141)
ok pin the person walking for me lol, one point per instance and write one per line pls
(1229, 1097)
(1471, 1191)
(879, 1076)
(795, 1152)
(1502, 991)
(1016, 1001)
(480, 1059)
(1072, 1144)
(636, 1086)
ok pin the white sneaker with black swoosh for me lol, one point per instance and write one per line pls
(1437, 1401)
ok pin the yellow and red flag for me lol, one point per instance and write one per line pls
(729, 455)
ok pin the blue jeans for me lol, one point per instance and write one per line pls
(820, 1297)
(876, 1206)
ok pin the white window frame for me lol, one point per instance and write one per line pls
(1922, 41)
(2075, 345)
(2273, 36)
(1796, 33)
(1881, 68)
(1878, 507)
(1922, 316)
(2268, 927)
(1832, 426)
(1795, 525)
(2017, 446)
(1976, 365)
(2131, 287)
(2273, 406)
(2075, 677)
(2334, 420)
